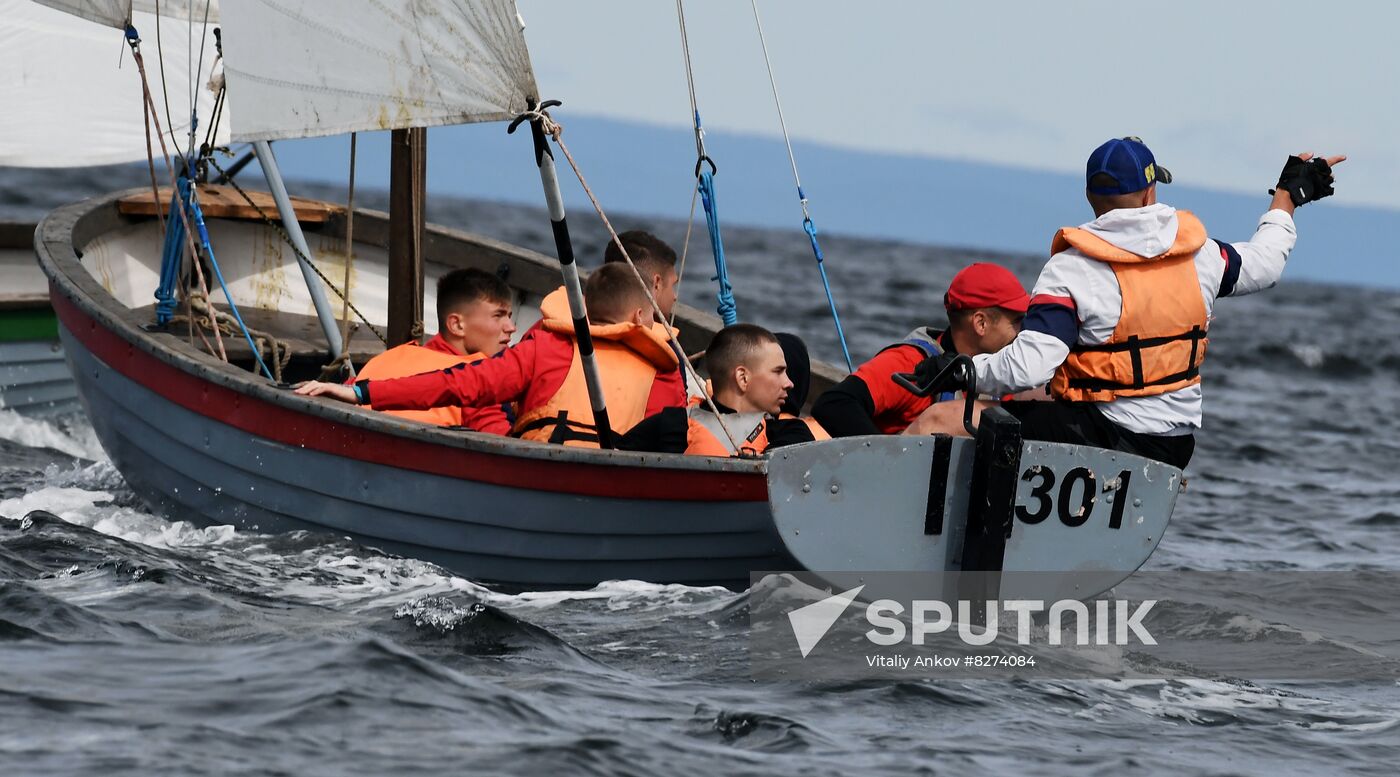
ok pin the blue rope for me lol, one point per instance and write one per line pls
(197, 215)
(811, 230)
(727, 310)
(807, 225)
(170, 254)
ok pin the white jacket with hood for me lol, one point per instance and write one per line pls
(1089, 291)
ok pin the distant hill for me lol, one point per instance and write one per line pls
(645, 169)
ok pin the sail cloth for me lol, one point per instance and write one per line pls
(115, 13)
(74, 95)
(303, 68)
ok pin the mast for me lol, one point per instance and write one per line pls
(408, 173)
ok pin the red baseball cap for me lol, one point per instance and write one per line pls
(986, 285)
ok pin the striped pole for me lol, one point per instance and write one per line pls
(549, 179)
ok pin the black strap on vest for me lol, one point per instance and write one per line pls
(563, 429)
(1135, 345)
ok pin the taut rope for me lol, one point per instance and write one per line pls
(556, 131)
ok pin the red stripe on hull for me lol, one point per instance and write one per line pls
(285, 425)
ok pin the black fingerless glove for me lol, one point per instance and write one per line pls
(932, 375)
(929, 369)
(1305, 181)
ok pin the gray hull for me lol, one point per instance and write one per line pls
(34, 379)
(187, 466)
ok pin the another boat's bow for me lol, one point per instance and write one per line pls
(33, 378)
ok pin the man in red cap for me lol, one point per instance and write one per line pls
(985, 304)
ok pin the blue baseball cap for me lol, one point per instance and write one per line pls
(1129, 162)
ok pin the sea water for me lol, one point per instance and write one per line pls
(130, 644)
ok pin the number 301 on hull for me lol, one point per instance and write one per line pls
(909, 504)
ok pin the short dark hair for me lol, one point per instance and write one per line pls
(960, 317)
(464, 286)
(649, 252)
(611, 293)
(730, 347)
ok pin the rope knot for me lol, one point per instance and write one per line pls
(550, 127)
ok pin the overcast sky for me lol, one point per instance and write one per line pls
(1221, 91)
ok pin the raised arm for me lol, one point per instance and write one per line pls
(1257, 264)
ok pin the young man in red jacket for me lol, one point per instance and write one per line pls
(474, 323)
(543, 373)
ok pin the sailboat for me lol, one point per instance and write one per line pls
(223, 440)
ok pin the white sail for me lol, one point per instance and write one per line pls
(115, 13)
(302, 68)
(74, 94)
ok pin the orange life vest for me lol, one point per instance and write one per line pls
(413, 359)
(556, 305)
(1160, 340)
(706, 437)
(628, 357)
(818, 433)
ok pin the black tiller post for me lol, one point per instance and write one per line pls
(549, 179)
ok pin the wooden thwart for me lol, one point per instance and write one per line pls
(225, 202)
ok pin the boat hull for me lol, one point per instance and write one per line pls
(191, 467)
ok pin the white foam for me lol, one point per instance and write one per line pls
(79, 441)
(93, 509)
(1310, 355)
(617, 594)
(67, 503)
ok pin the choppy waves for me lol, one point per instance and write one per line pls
(133, 644)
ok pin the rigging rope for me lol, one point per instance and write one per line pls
(207, 147)
(187, 194)
(705, 181)
(164, 88)
(279, 353)
(133, 39)
(194, 74)
(808, 225)
(349, 262)
(685, 247)
(556, 131)
(185, 203)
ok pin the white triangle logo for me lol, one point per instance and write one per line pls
(812, 622)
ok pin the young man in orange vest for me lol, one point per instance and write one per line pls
(474, 323)
(656, 263)
(1118, 320)
(985, 304)
(748, 370)
(543, 373)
